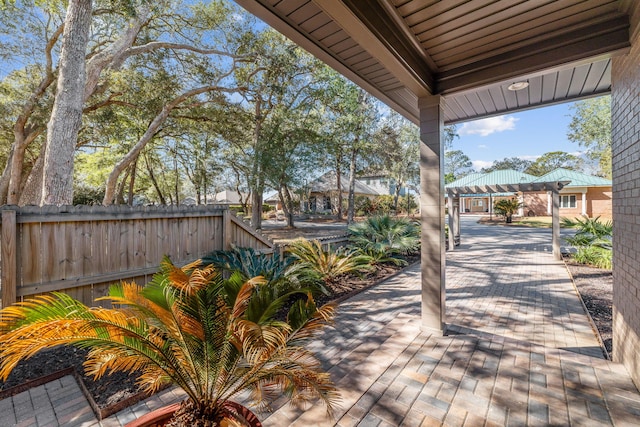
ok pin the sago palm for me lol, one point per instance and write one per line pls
(328, 264)
(212, 337)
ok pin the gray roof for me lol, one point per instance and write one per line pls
(328, 183)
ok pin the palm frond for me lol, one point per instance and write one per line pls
(211, 336)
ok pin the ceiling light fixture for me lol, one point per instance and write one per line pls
(518, 85)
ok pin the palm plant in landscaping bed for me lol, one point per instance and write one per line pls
(592, 241)
(327, 265)
(213, 337)
(507, 208)
(251, 263)
(384, 238)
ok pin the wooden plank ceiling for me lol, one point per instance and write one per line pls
(468, 51)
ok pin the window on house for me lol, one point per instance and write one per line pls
(568, 201)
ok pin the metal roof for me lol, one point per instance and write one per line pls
(468, 51)
(497, 177)
(509, 180)
(578, 179)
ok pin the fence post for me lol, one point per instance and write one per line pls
(226, 229)
(8, 249)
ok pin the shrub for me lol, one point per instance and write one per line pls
(507, 208)
(592, 241)
(249, 263)
(328, 265)
(384, 236)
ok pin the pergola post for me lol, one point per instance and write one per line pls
(555, 224)
(432, 198)
(452, 219)
(456, 220)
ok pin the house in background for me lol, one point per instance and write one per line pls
(228, 197)
(382, 184)
(584, 194)
(323, 192)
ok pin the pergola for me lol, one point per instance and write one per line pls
(444, 62)
(453, 196)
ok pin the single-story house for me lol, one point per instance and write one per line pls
(584, 194)
(382, 184)
(323, 192)
(229, 197)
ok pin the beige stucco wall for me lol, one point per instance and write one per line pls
(625, 113)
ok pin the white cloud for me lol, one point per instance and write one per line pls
(532, 158)
(486, 127)
(479, 164)
(482, 147)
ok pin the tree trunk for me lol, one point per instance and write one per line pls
(287, 204)
(120, 190)
(31, 193)
(176, 186)
(132, 182)
(256, 179)
(154, 181)
(256, 209)
(396, 196)
(4, 179)
(339, 186)
(66, 115)
(352, 185)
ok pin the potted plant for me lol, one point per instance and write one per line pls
(214, 337)
(506, 208)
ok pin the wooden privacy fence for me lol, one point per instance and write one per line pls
(81, 250)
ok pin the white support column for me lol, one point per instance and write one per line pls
(432, 213)
(555, 225)
(584, 203)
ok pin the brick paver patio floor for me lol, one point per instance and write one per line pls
(520, 351)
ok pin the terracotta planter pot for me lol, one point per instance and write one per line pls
(160, 417)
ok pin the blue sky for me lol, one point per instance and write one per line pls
(526, 135)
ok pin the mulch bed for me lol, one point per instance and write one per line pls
(110, 390)
(595, 286)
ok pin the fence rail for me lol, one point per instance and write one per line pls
(81, 250)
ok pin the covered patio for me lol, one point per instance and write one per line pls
(445, 62)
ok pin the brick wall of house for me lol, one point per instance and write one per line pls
(599, 202)
(536, 203)
(625, 113)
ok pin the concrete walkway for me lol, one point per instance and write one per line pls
(520, 351)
